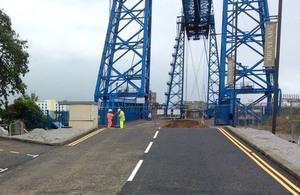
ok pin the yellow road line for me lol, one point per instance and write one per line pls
(85, 137)
(265, 166)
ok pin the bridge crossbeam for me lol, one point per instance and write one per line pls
(197, 17)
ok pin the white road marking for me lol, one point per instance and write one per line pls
(135, 170)
(2, 170)
(148, 148)
(32, 155)
(155, 135)
(14, 152)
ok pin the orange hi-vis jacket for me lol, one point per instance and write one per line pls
(110, 116)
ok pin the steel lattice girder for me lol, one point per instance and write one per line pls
(251, 76)
(197, 17)
(174, 95)
(125, 64)
(213, 67)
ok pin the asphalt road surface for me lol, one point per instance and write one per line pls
(15, 153)
(199, 161)
(172, 161)
(100, 164)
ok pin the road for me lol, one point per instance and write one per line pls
(14, 153)
(173, 161)
(200, 161)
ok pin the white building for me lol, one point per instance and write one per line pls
(50, 105)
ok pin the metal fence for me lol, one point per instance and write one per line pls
(287, 120)
(57, 119)
(15, 128)
(132, 112)
(296, 131)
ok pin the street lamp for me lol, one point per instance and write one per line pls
(276, 73)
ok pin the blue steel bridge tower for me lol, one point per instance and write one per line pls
(242, 69)
(174, 94)
(123, 78)
(196, 23)
(124, 73)
(241, 72)
(213, 85)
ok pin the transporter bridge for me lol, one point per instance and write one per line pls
(124, 73)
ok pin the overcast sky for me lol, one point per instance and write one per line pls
(66, 39)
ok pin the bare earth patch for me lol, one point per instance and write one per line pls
(182, 124)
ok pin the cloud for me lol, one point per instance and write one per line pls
(66, 39)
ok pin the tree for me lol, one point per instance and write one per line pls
(32, 97)
(27, 110)
(13, 60)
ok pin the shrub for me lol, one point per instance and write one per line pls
(27, 111)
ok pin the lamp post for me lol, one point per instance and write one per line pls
(276, 73)
(235, 61)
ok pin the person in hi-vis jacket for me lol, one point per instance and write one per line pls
(110, 117)
(121, 117)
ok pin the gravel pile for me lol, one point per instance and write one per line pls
(3, 131)
(52, 137)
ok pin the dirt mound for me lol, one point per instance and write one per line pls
(182, 124)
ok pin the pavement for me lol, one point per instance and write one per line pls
(53, 137)
(57, 137)
(284, 153)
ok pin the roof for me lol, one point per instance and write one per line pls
(77, 103)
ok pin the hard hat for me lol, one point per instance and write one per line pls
(119, 109)
(109, 110)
